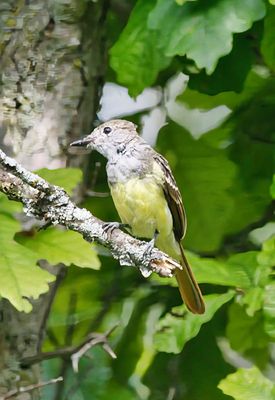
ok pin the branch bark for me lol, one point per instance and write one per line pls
(25, 389)
(52, 204)
(75, 353)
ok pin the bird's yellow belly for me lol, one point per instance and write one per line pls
(142, 205)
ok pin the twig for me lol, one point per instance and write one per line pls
(52, 204)
(92, 193)
(24, 389)
(74, 352)
(97, 339)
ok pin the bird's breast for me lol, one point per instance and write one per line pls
(140, 202)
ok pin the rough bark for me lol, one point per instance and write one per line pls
(52, 62)
(52, 204)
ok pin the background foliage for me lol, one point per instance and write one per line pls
(226, 176)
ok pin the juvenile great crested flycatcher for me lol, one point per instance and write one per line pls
(146, 196)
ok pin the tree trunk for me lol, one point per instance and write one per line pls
(52, 63)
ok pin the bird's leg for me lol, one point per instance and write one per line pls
(147, 253)
(109, 227)
(151, 244)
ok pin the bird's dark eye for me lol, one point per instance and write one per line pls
(107, 130)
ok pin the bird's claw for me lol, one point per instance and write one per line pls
(151, 245)
(109, 227)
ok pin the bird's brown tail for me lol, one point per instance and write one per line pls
(188, 287)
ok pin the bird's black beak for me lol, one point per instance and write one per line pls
(81, 143)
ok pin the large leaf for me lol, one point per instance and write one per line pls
(237, 271)
(59, 246)
(235, 66)
(269, 310)
(8, 206)
(272, 188)
(221, 197)
(195, 99)
(175, 329)
(203, 32)
(248, 384)
(195, 372)
(20, 277)
(135, 56)
(67, 178)
(199, 167)
(244, 332)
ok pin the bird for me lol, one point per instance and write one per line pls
(146, 196)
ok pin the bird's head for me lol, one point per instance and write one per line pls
(109, 138)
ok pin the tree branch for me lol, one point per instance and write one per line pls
(25, 389)
(75, 353)
(52, 204)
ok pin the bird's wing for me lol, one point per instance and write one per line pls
(173, 198)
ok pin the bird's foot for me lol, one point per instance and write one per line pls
(109, 227)
(151, 244)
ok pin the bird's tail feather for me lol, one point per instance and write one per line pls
(188, 287)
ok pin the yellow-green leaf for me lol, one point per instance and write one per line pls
(20, 277)
(176, 328)
(66, 178)
(248, 384)
(59, 246)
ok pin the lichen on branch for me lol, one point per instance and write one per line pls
(51, 204)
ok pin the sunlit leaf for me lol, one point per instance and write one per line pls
(181, 2)
(59, 246)
(192, 380)
(177, 327)
(195, 99)
(272, 188)
(202, 33)
(8, 206)
(67, 178)
(235, 66)
(269, 310)
(237, 271)
(21, 279)
(267, 256)
(248, 384)
(244, 332)
(135, 56)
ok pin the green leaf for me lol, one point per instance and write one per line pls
(235, 66)
(195, 99)
(135, 57)
(175, 329)
(203, 33)
(221, 197)
(253, 299)
(199, 368)
(198, 167)
(130, 346)
(245, 333)
(237, 271)
(272, 188)
(8, 206)
(267, 256)
(269, 310)
(268, 41)
(272, 2)
(20, 277)
(248, 384)
(66, 178)
(59, 246)
(181, 2)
